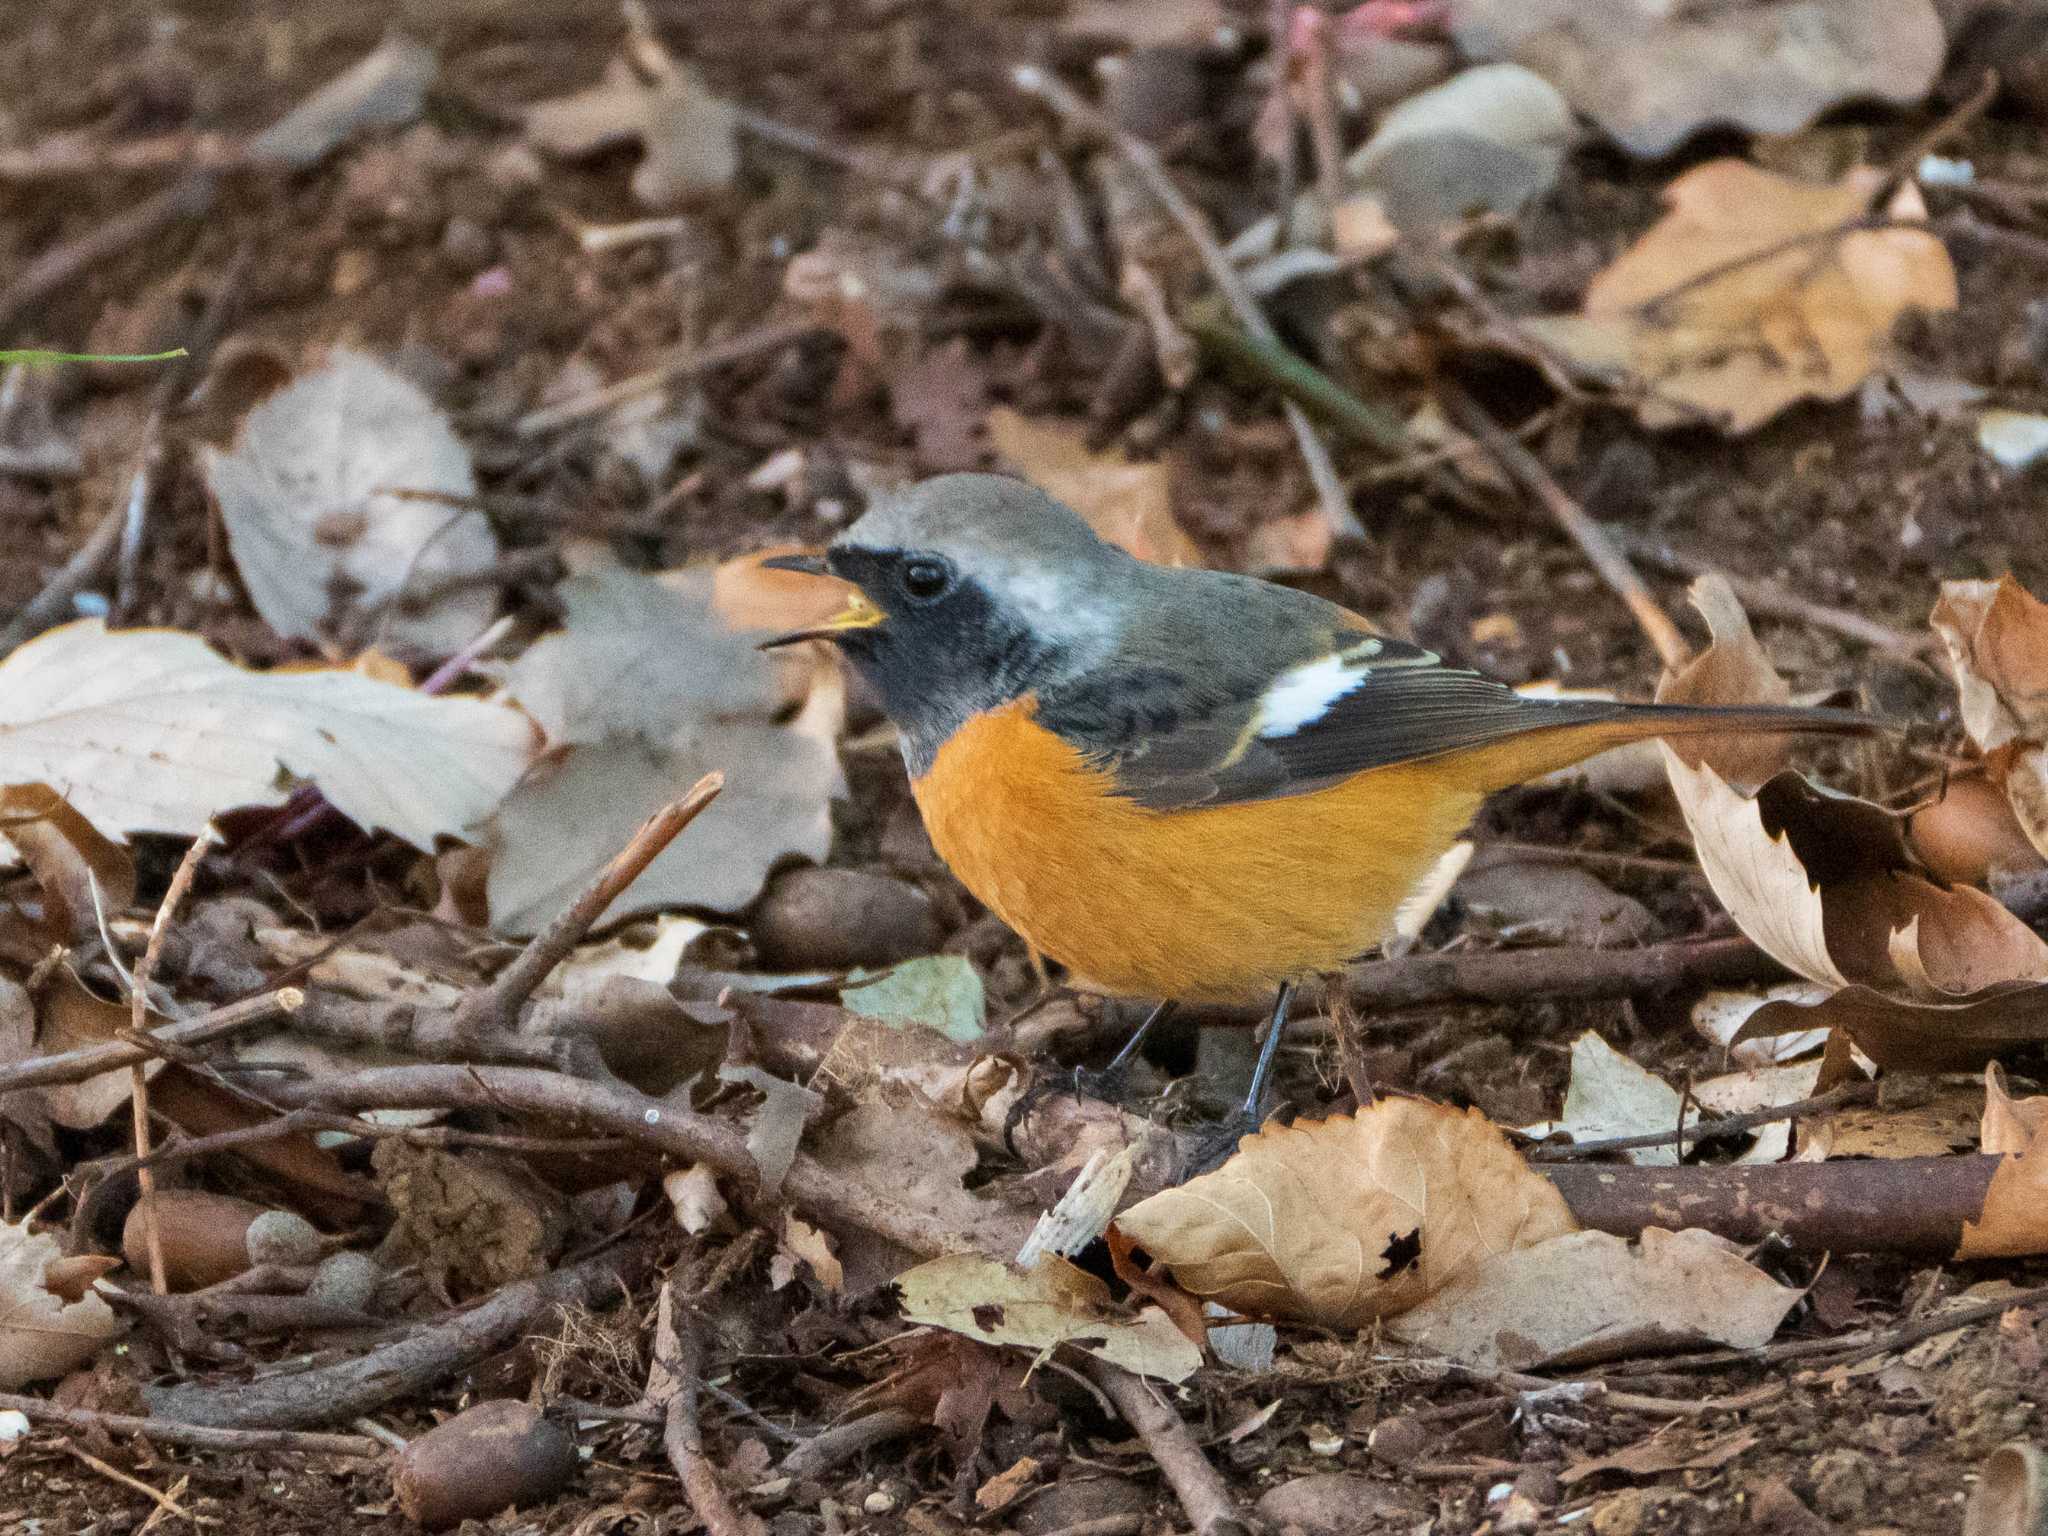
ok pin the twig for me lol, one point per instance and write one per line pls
(497, 1006)
(661, 1126)
(1295, 377)
(1322, 474)
(163, 1501)
(198, 1437)
(1527, 470)
(427, 1354)
(842, 1442)
(1698, 1130)
(1906, 163)
(1151, 170)
(682, 1435)
(1767, 598)
(1936, 1324)
(54, 271)
(685, 364)
(1201, 1490)
(138, 1074)
(1914, 1205)
(91, 1060)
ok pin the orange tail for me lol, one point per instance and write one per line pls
(1531, 754)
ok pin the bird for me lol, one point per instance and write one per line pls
(1183, 784)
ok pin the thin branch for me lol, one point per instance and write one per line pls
(138, 1074)
(687, 363)
(76, 1066)
(198, 1437)
(682, 1435)
(497, 1006)
(1195, 1482)
(1527, 471)
(1698, 1130)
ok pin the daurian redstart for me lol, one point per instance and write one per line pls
(1182, 784)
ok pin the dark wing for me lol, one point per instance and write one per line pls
(1363, 702)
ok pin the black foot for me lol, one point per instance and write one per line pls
(1210, 1146)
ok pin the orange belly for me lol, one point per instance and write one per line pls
(1219, 904)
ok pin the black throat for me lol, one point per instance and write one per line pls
(938, 666)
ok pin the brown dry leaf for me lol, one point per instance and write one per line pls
(151, 730)
(72, 1017)
(805, 1244)
(2009, 1124)
(1346, 1220)
(344, 491)
(25, 1108)
(1039, 1309)
(69, 859)
(1283, 546)
(1586, 1296)
(693, 1194)
(1669, 1450)
(690, 136)
(1909, 1036)
(2014, 1221)
(645, 689)
(1128, 504)
(1997, 639)
(1699, 311)
(942, 398)
(1652, 73)
(1733, 669)
(1968, 833)
(43, 1334)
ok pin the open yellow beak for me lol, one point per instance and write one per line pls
(858, 613)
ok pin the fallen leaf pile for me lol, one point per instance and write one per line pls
(1752, 292)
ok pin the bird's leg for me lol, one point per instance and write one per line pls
(1212, 1145)
(1106, 1084)
(1255, 1095)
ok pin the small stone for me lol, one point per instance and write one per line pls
(880, 1502)
(1776, 1509)
(346, 1279)
(1079, 1501)
(1397, 1442)
(1329, 1504)
(467, 246)
(833, 919)
(1324, 1441)
(282, 1237)
(1843, 1482)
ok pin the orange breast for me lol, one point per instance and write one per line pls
(1217, 904)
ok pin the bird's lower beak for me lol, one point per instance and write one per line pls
(858, 613)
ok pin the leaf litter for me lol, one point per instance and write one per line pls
(848, 1195)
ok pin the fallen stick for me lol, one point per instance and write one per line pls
(1188, 1472)
(428, 1355)
(198, 1437)
(1910, 1205)
(91, 1060)
(663, 1127)
(1527, 471)
(842, 1442)
(495, 1009)
(682, 1435)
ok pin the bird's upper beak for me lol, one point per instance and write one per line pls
(858, 613)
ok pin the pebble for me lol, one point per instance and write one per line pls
(1329, 1504)
(831, 919)
(1843, 1482)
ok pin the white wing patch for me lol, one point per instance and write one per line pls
(1302, 695)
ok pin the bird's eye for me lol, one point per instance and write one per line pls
(924, 580)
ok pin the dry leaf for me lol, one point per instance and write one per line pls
(43, 1334)
(1128, 504)
(1969, 833)
(27, 1109)
(1997, 639)
(1586, 1296)
(1652, 73)
(72, 1018)
(1487, 140)
(1609, 1095)
(805, 1243)
(917, 1159)
(2009, 1124)
(1909, 1036)
(71, 861)
(644, 690)
(383, 89)
(2014, 1221)
(1665, 1451)
(690, 136)
(1731, 670)
(693, 1194)
(2011, 1496)
(1147, 23)
(1041, 1308)
(345, 490)
(1345, 1220)
(153, 731)
(1721, 1014)
(778, 1125)
(1699, 310)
